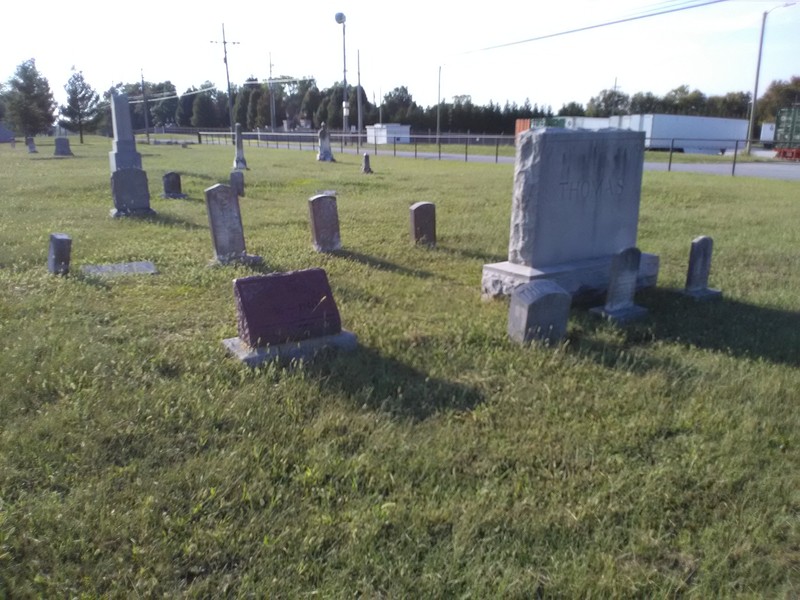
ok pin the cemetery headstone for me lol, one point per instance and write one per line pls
(575, 204)
(124, 154)
(172, 185)
(58, 257)
(239, 162)
(324, 218)
(62, 147)
(130, 193)
(286, 316)
(699, 269)
(31, 144)
(538, 310)
(237, 183)
(225, 222)
(325, 154)
(365, 168)
(619, 307)
(140, 267)
(423, 223)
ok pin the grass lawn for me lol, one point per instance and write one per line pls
(437, 460)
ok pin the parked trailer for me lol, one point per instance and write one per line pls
(704, 135)
(787, 133)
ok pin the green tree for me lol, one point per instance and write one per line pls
(162, 101)
(780, 94)
(644, 103)
(608, 103)
(183, 114)
(572, 109)
(252, 108)
(29, 101)
(204, 111)
(83, 105)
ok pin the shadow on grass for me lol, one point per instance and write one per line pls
(485, 257)
(173, 221)
(377, 263)
(383, 384)
(728, 326)
(70, 157)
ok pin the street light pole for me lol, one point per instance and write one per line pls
(751, 127)
(340, 18)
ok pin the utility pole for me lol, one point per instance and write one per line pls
(225, 43)
(146, 117)
(271, 96)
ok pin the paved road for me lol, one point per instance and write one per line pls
(789, 171)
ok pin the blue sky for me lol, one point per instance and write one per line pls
(712, 48)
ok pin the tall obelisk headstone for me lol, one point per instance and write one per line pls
(239, 162)
(124, 154)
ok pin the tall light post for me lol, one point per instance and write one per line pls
(340, 18)
(751, 127)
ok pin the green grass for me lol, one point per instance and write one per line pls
(439, 459)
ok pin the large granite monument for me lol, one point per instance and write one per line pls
(575, 205)
(325, 153)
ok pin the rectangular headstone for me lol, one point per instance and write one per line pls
(142, 267)
(285, 307)
(699, 269)
(237, 182)
(225, 222)
(130, 193)
(575, 204)
(172, 185)
(324, 217)
(286, 316)
(62, 147)
(619, 306)
(538, 310)
(423, 223)
(58, 257)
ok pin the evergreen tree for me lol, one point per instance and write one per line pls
(183, 114)
(29, 101)
(204, 113)
(83, 105)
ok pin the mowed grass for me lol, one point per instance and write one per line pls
(439, 459)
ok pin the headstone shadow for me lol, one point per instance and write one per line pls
(377, 263)
(382, 384)
(727, 326)
(173, 221)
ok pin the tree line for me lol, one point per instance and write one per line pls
(27, 103)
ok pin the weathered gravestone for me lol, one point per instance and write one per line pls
(58, 256)
(172, 185)
(365, 168)
(423, 223)
(130, 194)
(62, 147)
(238, 161)
(237, 183)
(139, 267)
(225, 222)
(699, 269)
(575, 205)
(325, 154)
(31, 144)
(124, 154)
(324, 217)
(619, 307)
(539, 310)
(286, 316)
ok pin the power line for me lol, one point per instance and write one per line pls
(590, 27)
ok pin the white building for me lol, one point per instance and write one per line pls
(388, 133)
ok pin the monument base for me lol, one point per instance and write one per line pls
(703, 295)
(620, 316)
(289, 351)
(584, 280)
(139, 212)
(242, 259)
